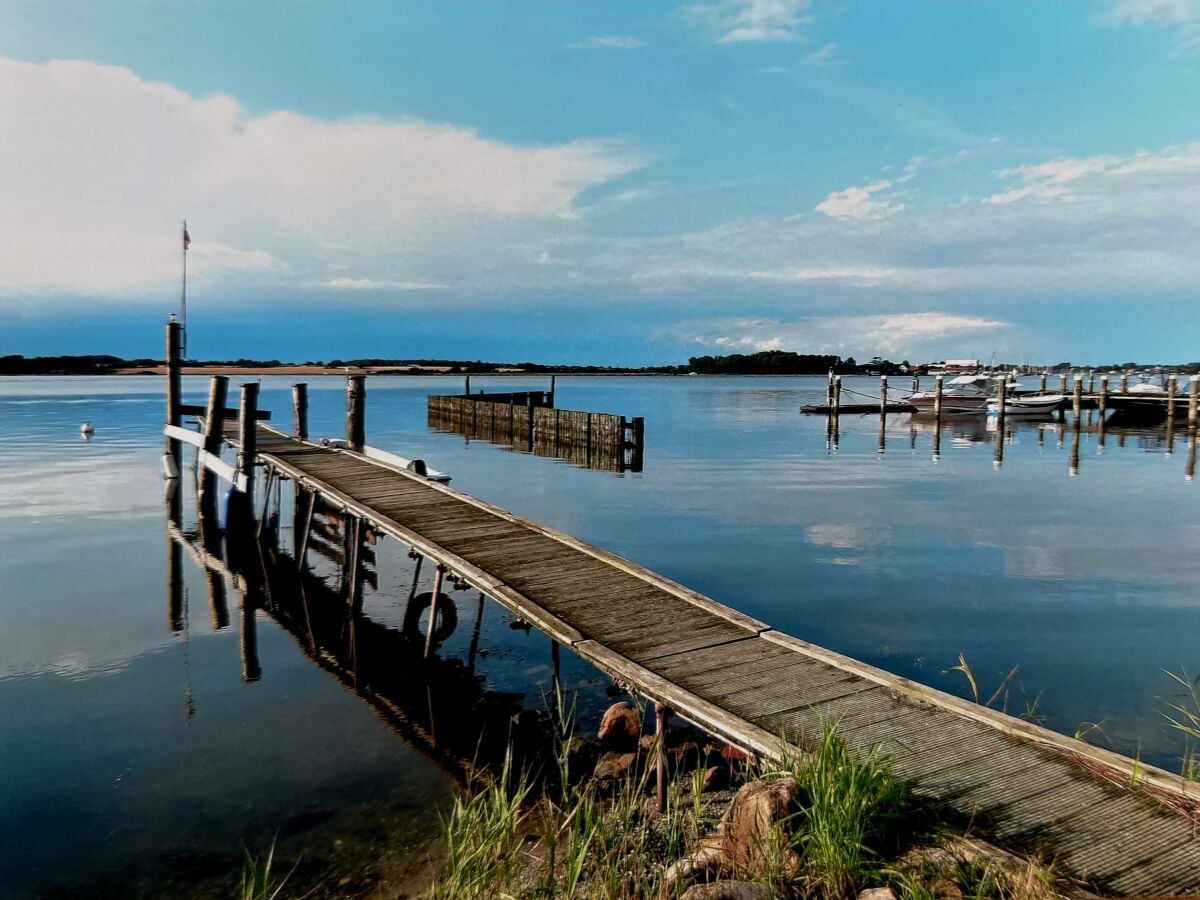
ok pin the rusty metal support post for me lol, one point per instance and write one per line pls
(661, 714)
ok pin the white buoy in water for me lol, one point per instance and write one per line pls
(86, 428)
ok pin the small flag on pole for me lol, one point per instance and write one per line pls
(187, 238)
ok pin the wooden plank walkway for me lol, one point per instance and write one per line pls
(1024, 787)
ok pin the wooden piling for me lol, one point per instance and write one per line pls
(1002, 397)
(467, 387)
(438, 575)
(248, 438)
(1172, 388)
(356, 411)
(1092, 382)
(300, 411)
(214, 423)
(883, 392)
(174, 389)
(829, 389)
(1062, 384)
(661, 713)
(916, 383)
(1124, 382)
(1193, 401)
(1042, 385)
(937, 397)
(552, 390)
(1077, 396)
(837, 395)
(1102, 400)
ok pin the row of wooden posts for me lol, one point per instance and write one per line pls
(1101, 397)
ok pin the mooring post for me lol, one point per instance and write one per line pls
(1172, 388)
(829, 389)
(356, 411)
(1042, 386)
(174, 389)
(1103, 400)
(438, 574)
(661, 713)
(1193, 401)
(882, 396)
(467, 387)
(300, 411)
(916, 384)
(937, 397)
(639, 443)
(214, 424)
(1124, 382)
(248, 438)
(552, 390)
(1062, 383)
(836, 406)
(1077, 397)
(1002, 402)
(1092, 381)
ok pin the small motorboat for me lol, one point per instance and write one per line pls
(1027, 404)
(964, 394)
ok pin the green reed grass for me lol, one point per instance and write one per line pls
(257, 881)
(849, 802)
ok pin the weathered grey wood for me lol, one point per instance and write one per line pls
(248, 435)
(750, 685)
(356, 411)
(300, 411)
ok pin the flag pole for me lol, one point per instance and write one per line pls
(183, 298)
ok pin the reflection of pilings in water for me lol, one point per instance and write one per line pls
(474, 648)
(998, 454)
(937, 437)
(1189, 469)
(1073, 463)
(882, 434)
(439, 706)
(210, 540)
(175, 610)
(1170, 448)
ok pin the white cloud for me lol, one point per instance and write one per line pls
(859, 203)
(1182, 15)
(97, 167)
(747, 21)
(824, 55)
(608, 42)
(897, 334)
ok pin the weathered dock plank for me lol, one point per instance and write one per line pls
(1023, 786)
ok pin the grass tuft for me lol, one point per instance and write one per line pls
(257, 880)
(849, 804)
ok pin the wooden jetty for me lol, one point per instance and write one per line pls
(529, 422)
(1116, 825)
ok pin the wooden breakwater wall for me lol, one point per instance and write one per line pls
(592, 440)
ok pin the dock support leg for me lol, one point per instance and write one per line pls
(661, 713)
(473, 650)
(438, 574)
(556, 667)
(305, 530)
(214, 424)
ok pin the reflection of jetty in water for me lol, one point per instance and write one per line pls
(963, 431)
(439, 705)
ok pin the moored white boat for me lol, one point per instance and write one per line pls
(964, 394)
(1027, 404)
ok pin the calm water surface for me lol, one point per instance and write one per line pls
(138, 760)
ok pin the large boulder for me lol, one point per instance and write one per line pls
(758, 815)
(620, 728)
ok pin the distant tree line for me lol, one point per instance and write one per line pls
(767, 362)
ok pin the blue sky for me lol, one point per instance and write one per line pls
(603, 182)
